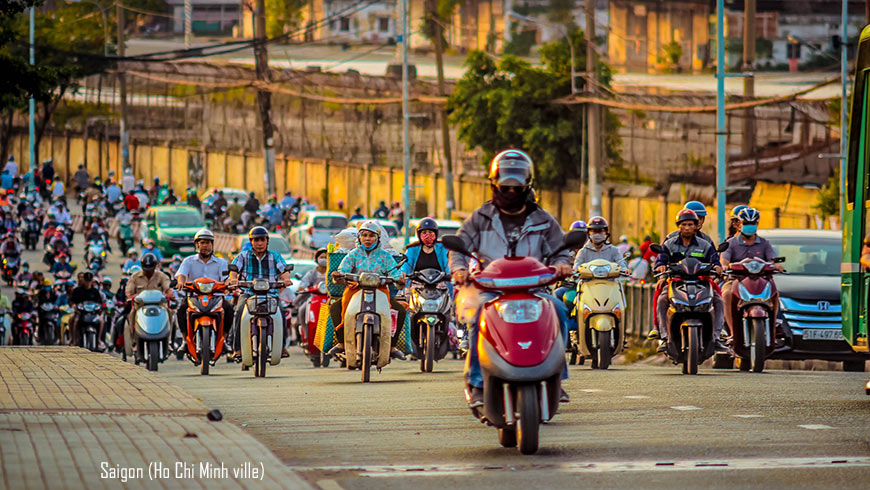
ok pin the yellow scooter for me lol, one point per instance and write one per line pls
(599, 305)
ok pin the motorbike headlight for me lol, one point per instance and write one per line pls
(261, 284)
(754, 266)
(205, 287)
(321, 288)
(519, 311)
(430, 305)
(745, 295)
(600, 271)
(460, 333)
(369, 280)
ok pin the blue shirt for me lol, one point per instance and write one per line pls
(113, 193)
(287, 201)
(274, 215)
(6, 180)
(270, 266)
(193, 268)
(154, 251)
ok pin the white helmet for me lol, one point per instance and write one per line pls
(372, 226)
(203, 234)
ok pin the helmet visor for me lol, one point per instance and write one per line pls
(513, 174)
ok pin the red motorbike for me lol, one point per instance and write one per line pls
(24, 328)
(521, 350)
(205, 322)
(750, 311)
(307, 318)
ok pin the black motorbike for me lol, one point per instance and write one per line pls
(88, 324)
(429, 306)
(49, 323)
(30, 232)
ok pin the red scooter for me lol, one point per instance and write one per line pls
(750, 311)
(521, 350)
(307, 318)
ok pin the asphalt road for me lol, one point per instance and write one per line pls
(638, 426)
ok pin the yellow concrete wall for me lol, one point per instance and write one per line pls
(159, 165)
(380, 188)
(93, 157)
(255, 175)
(700, 36)
(356, 189)
(616, 45)
(338, 185)
(652, 23)
(178, 170)
(294, 176)
(58, 154)
(215, 170)
(315, 180)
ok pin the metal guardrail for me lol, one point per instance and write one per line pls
(639, 309)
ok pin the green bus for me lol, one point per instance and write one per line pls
(856, 284)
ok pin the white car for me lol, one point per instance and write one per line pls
(315, 229)
(445, 227)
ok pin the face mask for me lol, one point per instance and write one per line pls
(598, 238)
(509, 201)
(749, 230)
(321, 262)
(370, 248)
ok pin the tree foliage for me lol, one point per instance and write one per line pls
(282, 16)
(508, 104)
(829, 197)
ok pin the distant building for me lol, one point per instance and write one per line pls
(209, 17)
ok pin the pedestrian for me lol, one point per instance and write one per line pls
(128, 182)
(11, 166)
(82, 178)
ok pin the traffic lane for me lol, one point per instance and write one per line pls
(323, 418)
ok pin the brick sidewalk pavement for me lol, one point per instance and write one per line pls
(69, 417)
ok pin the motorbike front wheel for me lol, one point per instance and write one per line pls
(759, 344)
(603, 352)
(153, 355)
(262, 354)
(367, 354)
(528, 423)
(694, 351)
(428, 360)
(205, 353)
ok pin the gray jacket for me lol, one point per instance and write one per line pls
(608, 252)
(484, 234)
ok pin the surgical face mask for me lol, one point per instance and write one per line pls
(321, 262)
(749, 230)
(598, 238)
(369, 248)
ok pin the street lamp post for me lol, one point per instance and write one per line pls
(32, 102)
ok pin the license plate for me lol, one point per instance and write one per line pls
(186, 249)
(827, 334)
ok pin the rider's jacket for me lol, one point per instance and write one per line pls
(608, 252)
(698, 248)
(484, 233)
(413, 254)
(738, 249)
(378, 261)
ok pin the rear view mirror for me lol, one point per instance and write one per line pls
(455, 244)
(722, 247)
(778, 260)
(233, 268)
(656, 248)
(574, 239)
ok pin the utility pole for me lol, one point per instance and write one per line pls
(264, 97)
(593, 135)
(749, 80)
(720, 118)
(406, 145)
(122, 84)
(32, 102)
(188, 23)
(437, 32)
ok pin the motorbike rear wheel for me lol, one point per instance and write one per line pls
(153, 355)
(759, 344)
(205, 352)
(428, 360)
(603, 352)
(367, 354)
(529, 420)
(694, 351)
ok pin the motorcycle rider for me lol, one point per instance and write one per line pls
(512, 214)
(700, 211)
(106, 283)
(193, 199)
(316, 275)
(24, 276)
(690, 245)
(128, 181)
(234, 212)
(132, 259)
(427, 253)
(252, 207)
(598, 247)
(367, 256)
(202, 264)
(20, 304)
(86, 292)
(258, 262)
(734, 223)
(148, 247)
(81, 177)
(45, 295)
(219, 203)
(61, 264)
(148, 278)
(10, 247)
(382, 212)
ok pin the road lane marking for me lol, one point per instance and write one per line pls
(816, 426)
(596, 467)
(636, 397)
(329, 485)
(687, 408)
(748, 416)
(591, 390)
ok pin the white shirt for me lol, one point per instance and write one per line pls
(11, 167)
(193, 267)
(128, 183)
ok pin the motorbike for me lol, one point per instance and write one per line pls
(205, 322)
(690, 311)
(5, 326)
(153, 327)
(751, 310)
(599, 306)
(430, 310)
(49, 323)
(306, 320)
(125, 237)
(30, 233)
(521, 383)
(24, 328)
(11, 263)
(88, 323)
(261, 325)
(367, 323)
(96, 257)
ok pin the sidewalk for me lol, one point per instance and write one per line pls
(70, 418)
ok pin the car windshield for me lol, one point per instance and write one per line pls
(180, 220)
(276, 244)
(391, 230)
(302, 268)
(810, 256)
(330, 222)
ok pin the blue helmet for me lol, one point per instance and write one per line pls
(736, 211)
(698, 207)
(749, 215)
(578, 225)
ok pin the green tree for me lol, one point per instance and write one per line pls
(829, 197)
(508, 103)
(282, 16)
(69, 46)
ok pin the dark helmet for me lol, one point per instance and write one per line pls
(148, 262)
(597, 223)
(319, 252)
(686, 215)
(511, 167)
(88, 276)
(258, 232)
(427, 224)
